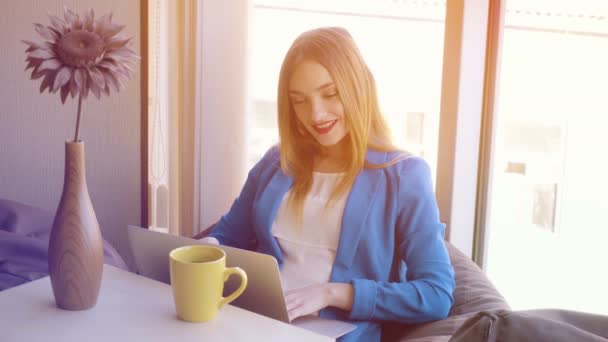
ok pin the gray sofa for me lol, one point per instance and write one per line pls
(481, 314)
(474, 293)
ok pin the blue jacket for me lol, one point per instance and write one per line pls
(391, 246)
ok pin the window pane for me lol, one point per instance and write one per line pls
(547, 231)
(402, 42)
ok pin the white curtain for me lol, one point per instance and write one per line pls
(203, 106)
(158, 120)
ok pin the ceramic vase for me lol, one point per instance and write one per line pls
(75, 245)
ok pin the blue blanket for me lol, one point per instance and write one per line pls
(24, 238)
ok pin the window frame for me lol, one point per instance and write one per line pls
(466, 116)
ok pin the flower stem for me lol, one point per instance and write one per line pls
(77, 135)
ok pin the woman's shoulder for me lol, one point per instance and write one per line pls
(411, 174)
(396, 159)
(270, 161)
(272, 156)
(399, 164)
(273, 152)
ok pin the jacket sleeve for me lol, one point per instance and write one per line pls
(426, 292)
(235, 228)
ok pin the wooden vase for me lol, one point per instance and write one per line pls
(75, 245)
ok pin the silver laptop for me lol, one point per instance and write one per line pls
(263, 294)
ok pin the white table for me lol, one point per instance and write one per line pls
(129, 308)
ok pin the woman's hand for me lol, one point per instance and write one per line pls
(307, 300)
(210, 240)
(310, 299)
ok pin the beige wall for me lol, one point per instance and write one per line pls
(34, 126)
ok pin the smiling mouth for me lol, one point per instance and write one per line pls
(325, 127)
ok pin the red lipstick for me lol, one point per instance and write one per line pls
(324, 129)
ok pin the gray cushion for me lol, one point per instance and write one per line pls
(473, 293)
(533, 326)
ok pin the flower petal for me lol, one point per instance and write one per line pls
(36, 74)
(50, 64)
(106, 18)
(97, 76)
(42, 46)
(133, 53)
(32, 59)
(33, 62)
(47, 46)
(65, 90)
(85, 91)
(30, 65)
(42, 54)
(107, 64)
(80, 77)
(63, 76)
(57, 23)
(95, 90)
(56, 33)
(45, 32)
(101, 28)
(106, 91)
(29, 42)
(113, 30)
(73, 87)
(106, 29)
(122, 73)
(32, 44)
(47, 81)
(89, 20)
(112, 79)
(121, 64)
(117, 43)
(78, 25)
(124, 55)
(70, 16)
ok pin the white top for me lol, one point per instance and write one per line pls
(129, 308)
(309, 250)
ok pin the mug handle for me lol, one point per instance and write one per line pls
(227, 273)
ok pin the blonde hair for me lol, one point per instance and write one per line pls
(334, 49)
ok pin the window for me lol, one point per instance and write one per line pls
(402, 41)
(546, 230)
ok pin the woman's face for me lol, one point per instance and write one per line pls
(315, 100)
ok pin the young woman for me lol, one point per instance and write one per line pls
(352, 221)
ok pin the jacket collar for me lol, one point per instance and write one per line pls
(357, 207)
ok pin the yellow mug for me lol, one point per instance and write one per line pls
(198, 274)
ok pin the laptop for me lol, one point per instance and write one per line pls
(263, 294)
